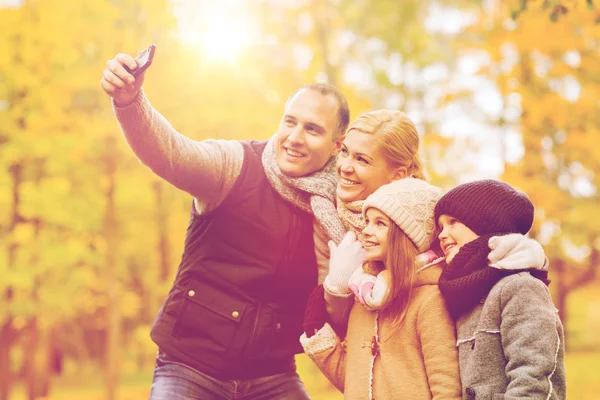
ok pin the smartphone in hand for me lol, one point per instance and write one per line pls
(143, 60)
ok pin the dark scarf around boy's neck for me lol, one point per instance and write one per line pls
(468, 279)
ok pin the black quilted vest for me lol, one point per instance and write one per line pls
(236, 307)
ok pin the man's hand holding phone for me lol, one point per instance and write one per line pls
(123, 76)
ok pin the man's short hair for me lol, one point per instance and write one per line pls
(327, 89)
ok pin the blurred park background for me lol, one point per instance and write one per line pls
(90, 239)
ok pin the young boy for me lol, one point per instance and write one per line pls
(510, 339)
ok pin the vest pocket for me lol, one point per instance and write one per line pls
(207, 314)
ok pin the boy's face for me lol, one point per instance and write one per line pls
(453, 235)
(375, 235)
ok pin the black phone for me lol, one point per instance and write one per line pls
(143, 60)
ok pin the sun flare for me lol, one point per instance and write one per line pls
(218, 29)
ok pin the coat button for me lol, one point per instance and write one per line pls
(470, 393)
(278, 326)
(235, 314)
(191, 293)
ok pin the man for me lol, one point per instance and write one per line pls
(230, 325)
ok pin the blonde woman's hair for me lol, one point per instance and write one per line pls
(396, 136)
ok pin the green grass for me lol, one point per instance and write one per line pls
(582, 382)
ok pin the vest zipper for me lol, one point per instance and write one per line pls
(253, 333)
(281, 265)
(292, 231)
(290, 241)
(292, 236)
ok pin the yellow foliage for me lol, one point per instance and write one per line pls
(129, 304)
(23, 234)
(57, 125)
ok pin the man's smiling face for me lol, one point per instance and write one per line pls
(308, 133)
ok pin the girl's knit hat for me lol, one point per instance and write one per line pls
(410, 203)
(488, 206)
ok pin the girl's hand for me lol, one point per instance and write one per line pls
(344, 259)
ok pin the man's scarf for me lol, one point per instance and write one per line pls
(314, 193)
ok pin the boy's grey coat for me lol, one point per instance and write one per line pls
(512, 345)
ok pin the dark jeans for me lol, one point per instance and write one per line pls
(176, 381)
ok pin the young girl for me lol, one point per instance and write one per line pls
(401, 341)
(510, 339)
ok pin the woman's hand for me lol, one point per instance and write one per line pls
(515, 251)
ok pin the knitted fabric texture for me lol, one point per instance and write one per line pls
(467, 279)
(351, 215)
(410, 203)
(314, 193)
(488, 206)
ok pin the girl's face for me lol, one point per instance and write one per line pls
(362, 168)
(375, 235)
(453, 235)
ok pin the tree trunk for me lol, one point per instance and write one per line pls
(162, 224)
(37, 368)
(36, 349)
(561, 293)
(7, 338)
(30, 349)
(567, 284)
(8, 335)
(112, 360)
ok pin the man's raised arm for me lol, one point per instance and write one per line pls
(206, 169)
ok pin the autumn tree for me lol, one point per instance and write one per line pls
(549, 90)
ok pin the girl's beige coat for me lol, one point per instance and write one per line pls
(419, 361)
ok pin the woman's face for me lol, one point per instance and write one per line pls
(362, 168)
